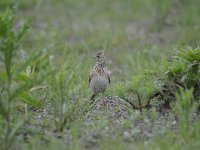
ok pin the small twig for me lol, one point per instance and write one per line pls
(139, 99)
(132, 104)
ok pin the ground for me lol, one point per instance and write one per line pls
(139, 37)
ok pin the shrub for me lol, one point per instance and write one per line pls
(184, 70)
(17, 78)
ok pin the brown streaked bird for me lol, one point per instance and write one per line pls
(99, 77)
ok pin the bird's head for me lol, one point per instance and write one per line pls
(100, 57)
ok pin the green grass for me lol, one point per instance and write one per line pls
(45, 62)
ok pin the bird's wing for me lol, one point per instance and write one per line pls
(109, 80)
(92, 72)
(109, 76)
(89, 79)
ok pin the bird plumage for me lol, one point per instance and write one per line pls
(99, 77)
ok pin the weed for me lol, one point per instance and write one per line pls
(139, 35)
(65, 95)
(15, 82)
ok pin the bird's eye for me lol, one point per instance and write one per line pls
(98, 56)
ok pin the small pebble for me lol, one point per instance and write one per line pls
(174, 122)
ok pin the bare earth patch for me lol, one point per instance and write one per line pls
(114, 107)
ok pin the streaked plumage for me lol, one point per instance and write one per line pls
(99, 78)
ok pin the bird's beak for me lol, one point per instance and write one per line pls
(92, 57)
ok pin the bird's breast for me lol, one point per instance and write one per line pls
(99, 84)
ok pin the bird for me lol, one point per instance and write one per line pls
(100, 76)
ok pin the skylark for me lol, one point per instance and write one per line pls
(99, 77)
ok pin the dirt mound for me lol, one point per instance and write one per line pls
(112, 107)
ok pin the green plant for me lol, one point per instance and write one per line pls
(16, 81)
(184, 69)
(140, 90)
(185, 110)
(65, 94)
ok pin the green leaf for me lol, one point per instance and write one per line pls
(184, 56)
(14, 130)
(22, 77)
(23, 29)
(25, 97)
(3, 75)
(27, 63)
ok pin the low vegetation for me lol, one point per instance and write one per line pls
(154, 98)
